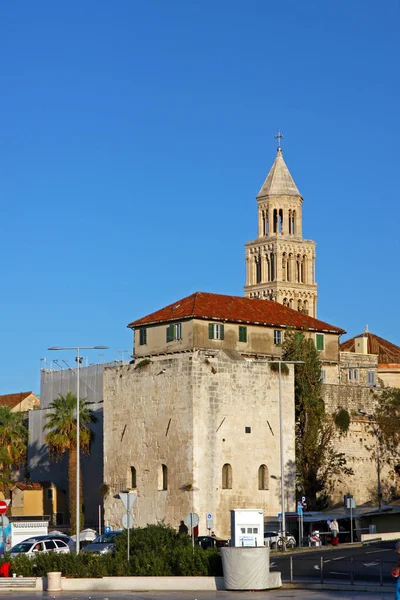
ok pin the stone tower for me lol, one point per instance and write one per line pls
(280, 264)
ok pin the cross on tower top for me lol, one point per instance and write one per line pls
(279, 137)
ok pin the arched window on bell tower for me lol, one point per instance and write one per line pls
(284, 266)
(258, 269)
(275, 216)
(280, 221)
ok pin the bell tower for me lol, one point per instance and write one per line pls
(280, 264)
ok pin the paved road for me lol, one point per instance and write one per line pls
(371, 564)
(271, 595)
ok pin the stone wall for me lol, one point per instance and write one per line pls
(194, 413)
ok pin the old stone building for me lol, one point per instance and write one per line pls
(280, 264)
(193, 423)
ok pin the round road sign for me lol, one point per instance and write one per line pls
(192, 520)
(127, 520)
(3, 507)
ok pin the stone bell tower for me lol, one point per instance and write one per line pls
(280, 264)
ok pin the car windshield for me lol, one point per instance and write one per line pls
(105, 538)
(22, 547)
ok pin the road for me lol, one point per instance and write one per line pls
(280, 594)
(347, 563)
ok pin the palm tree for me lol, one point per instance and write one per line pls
(61, 423)
(13, 444)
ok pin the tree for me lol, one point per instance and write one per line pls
(13, 444)
(317, 461)
(61, 439)
(387, 415)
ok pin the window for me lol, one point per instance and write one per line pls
(60, 544)
(227, 477)
(323, 375)
(263, 478)
(247, 429)
(319, 341)
(353, 374)
(142, 336)
(215, 331)
(277, 337)
(299, 336)
(133, 477)
(174, 332)
(242, 333)
(50, 545)
(163, 478)
(371, 377)
(49, 493)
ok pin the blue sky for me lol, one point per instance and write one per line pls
(134, 137)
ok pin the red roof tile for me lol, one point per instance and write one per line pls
(386, 351)
(236, 309)
(12, 400)
(28, 486)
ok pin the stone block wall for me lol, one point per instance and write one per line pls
(195, 412)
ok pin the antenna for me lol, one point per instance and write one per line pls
(122, 354)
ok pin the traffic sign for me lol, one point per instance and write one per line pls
(127, 520)
(128, 498)
(279, 516)
(192, 520)
(299, 509)
(3, 506)
(107, 529)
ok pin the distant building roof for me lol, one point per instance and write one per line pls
(12, 400)
(387, 352)
(236, 309)
(28, 486)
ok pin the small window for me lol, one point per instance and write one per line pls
(320, 341)
(323, 375)
(49, 493)
(263, 478)
(353, 374)
(255, 529)
(371, 377)
(50, 545)
(174, 332)
(133, 477)
(243, 530)
(249, 530)
(277, 337)
(227, 477)
(215, 331)
(164, 473)
(242, 333)
(247, 429)
(142, 336)
(61, 544)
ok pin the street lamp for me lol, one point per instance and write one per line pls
(78, 441)
(280, 363)
(375, 429)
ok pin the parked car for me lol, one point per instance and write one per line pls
(208, 541)
(273, 539)
(103, 544)
(32, 546)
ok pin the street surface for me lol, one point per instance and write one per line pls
(270, 595)
(357, 564)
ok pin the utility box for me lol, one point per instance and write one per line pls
(247, 527)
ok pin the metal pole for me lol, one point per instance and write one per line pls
(322, 569)
(99, 519)
(379, 471)
(291, 568)
(78, 466)
(282, 458)
(351, 520)
(191, 526)
(127, 519)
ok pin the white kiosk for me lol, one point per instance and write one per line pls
(247, 527)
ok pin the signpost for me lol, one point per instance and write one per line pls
(128, 499)
(4, 506)
(191, 521)
(300, 515)
(209, 521)
(350, 503)
(4, 521)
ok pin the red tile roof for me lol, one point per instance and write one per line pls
(28, 486)
(12, 400)
(236, 309)
(386, 351)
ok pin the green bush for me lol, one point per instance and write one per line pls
(155, 550)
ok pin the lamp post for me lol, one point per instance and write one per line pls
(282, 458)
(78, 441)
(375, 429)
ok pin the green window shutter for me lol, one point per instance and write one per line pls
(211, 331)
(170, 333)
(242, 333)
(221, 337)
(299, 336)
(142, 336)
(320, 341)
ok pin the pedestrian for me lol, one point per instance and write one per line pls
(395, 574)
(183, 528)
(334, 527)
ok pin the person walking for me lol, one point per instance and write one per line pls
(334, 527)
(395, 574)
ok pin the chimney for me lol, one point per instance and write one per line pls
(361, 345)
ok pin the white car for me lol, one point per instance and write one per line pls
(273, 539)
(32, 546)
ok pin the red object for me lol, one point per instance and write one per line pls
(335, 541)
(3, 507)
(5, 569)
